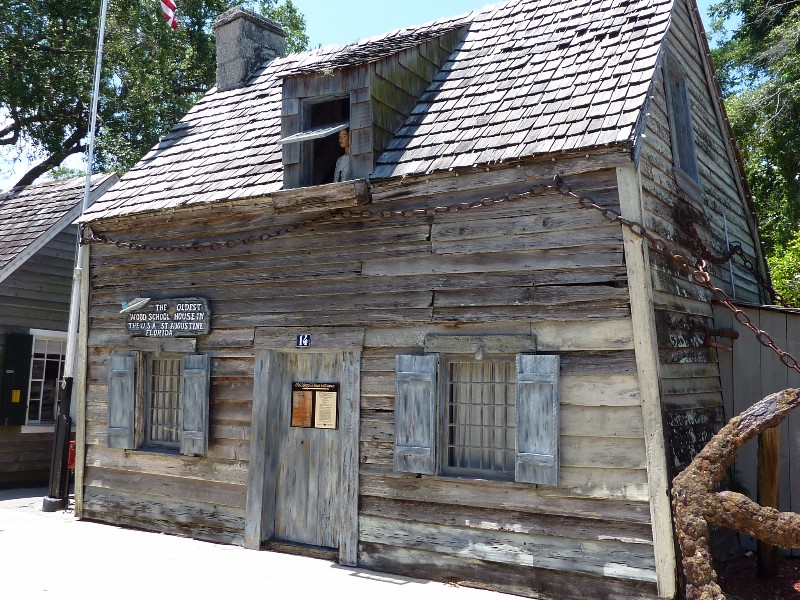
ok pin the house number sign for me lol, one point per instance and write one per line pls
(173, 317)
(315, 405)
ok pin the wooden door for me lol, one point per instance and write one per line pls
(307, 504)
(302, 485)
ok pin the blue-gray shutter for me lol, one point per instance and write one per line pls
(194, 404)
(415, 414)
(121, 400)
(537, 419)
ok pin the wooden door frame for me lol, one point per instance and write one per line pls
(271, 345)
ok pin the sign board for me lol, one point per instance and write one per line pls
(173, 317)
(303, 341)
(315, 405)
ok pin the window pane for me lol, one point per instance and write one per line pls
(39, 347)
(480, 416)
(37, 368)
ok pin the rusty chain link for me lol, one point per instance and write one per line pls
(330, 215)
(697, 270)
(734, 249)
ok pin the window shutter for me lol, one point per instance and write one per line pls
(121, 400)
(537, 419)
(15, 379)
(415, 414)
(194, 404)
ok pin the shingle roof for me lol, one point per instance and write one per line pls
(530, 77)
(26, 214)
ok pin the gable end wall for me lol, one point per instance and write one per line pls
(689, 375)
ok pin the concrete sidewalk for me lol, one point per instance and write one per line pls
(55, 555)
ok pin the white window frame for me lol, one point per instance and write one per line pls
(47, 336)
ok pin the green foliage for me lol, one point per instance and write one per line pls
(64, 173)
(151, 75)
(758, 65)
(784, 265)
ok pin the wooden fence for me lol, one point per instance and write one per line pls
(749, 372)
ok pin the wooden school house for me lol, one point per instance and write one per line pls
(441, 365)
(37, 258)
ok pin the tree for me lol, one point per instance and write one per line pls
(784, 264)
(758, 65)
(151, 74)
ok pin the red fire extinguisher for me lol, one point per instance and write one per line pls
(71, 456)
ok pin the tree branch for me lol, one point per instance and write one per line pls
(72, 145)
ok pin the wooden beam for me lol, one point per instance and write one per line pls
(261, 478)
(768, 472)
(346, 194)
(350, 429)
(646, 349)
(81, 380)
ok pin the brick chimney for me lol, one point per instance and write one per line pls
(245, 41)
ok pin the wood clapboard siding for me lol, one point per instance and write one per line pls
(537, 266)
(25, 455)
(399, 80)
(37, 294)
(202, 497)
(691, 392)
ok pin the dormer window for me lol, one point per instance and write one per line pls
(322, 122)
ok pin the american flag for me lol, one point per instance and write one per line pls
(168, 6)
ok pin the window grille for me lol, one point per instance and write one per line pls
(164, 401)
(480, 417)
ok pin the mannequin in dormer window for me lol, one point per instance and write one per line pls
(342, 170)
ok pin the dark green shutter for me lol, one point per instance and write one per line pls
(121, 400)
(537, 419)
(16, 378)
(194, 404)
(415, 414)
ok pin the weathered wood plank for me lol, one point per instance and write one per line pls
(153, 463)
(606, 557)
(211, 522)
(500, 496)
(524, 581)
(212, 492)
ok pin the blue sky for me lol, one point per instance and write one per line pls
(343, 21)
(330, 22)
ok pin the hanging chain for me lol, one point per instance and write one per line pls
(735, 249)
(330, 215)
(697, 270)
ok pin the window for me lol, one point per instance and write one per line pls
(493, 417)
(479, 416)
(163, 401)
(322, 120)
(170, 411)
(47, 369)
(681, 130)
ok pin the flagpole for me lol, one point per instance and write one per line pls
(58, 493)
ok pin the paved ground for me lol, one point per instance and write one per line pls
(55, 555)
